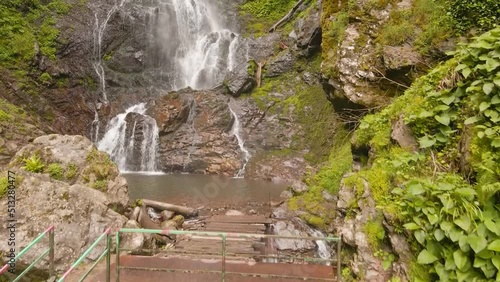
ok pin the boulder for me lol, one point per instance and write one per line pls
(308, 33)
(292, 228)
(281, 64)
(79, 213)
(403, 134)
(81, 163)
(133, 242)
(166, 215)
(241, 80)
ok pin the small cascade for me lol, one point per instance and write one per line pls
(94, 134)
(236, 131)
(98, 34)
(131, 140)
(323, 248)
(190, 122)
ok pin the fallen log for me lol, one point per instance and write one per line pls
(287, 17)
(258, 75)
(186, 211)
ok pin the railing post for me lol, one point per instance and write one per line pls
(223, 257)
(117, 263)
(51, 252)
(108, 257)
(339, 259)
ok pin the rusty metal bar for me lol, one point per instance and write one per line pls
(108, 258)
(223, 257)
(117, 264)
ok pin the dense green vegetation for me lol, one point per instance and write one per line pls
(27, 26)
(446, 195)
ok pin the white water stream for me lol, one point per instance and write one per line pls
(236, 131)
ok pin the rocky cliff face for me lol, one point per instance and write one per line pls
(76, 188)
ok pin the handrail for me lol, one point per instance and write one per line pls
(106, 252)
(48, 252)
(223, 236)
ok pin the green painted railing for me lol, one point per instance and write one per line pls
(106, 253)
(48, 252)
(223, 254)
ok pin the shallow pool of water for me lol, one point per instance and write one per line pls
(201, 190)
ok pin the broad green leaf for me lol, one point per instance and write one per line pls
(497, 81)
(461, 259)
(462, 276)
(483, 106)
(420, 236)
(438, 234)
(491, 226)
(426, 142)
(494, 246)
(441, 108)
(477, 243)
(492, 64)
(462, 243)
(455, 234)
(463, 222)
(495, 100)
(479, 262)
(496, 261)
(425, 114)
(446, 226)
(444, 119)
(411, 226)
(488, 88)
(416, 189)
(433, 219)
(425, 257)
(460, 67)
(496, 143)
(486, 254)
(448, 99)
(466, 72)
(489, 132)
(472, 120)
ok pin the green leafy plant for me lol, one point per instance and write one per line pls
(33, 164)
(55, 171)
(71, 171)
(4, 186)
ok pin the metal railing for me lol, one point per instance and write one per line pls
(48, 252)
(223, 255)
(106, 253)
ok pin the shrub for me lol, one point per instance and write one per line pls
(55, 170)
(71, 171)
(33, 164)
(4, 186)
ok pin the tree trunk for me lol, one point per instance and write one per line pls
(185, 211)
(287, 17)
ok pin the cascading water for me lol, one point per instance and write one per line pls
(323, 248)
(190, 121)
(236, 131)
(133, 147)
(188, 46)
(98, 34)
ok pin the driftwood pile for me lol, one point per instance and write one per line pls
(171, 216)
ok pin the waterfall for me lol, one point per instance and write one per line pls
(236, 131)
(97, 35)
(133, 148)
(323, 248)
(187, 45)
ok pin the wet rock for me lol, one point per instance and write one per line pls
(292, 228)
(281, 64)
(195, 133)
(240, 81)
